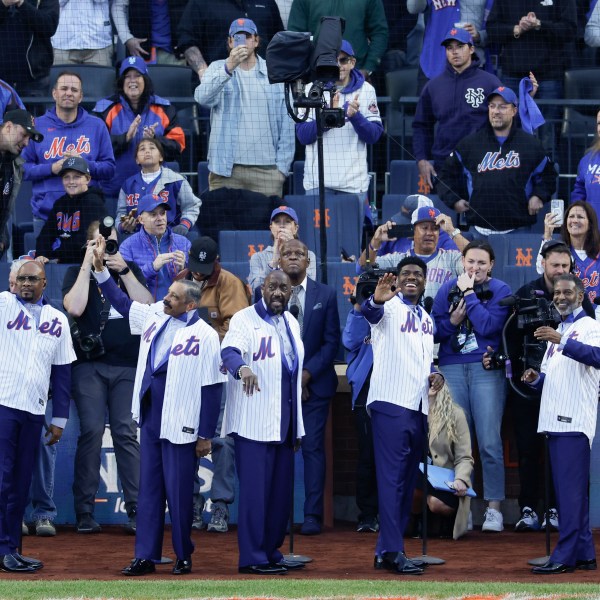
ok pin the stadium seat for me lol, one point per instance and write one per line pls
(404, 178)
(240, 269)
(390, 205)
(239, 246)
(298, 178)
(515, 257)
(98, 82)
(202, 177)
(342, 277)
(55, 273)
(399, 118)
(22, 217)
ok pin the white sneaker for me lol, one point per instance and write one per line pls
(529, 520)
(552, 515)
(493, 520)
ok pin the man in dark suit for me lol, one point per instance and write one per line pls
(315, 306)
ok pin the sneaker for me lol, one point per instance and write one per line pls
(493, 520)
(368, 525)
(24, 528)
(218, 520)
(470, 522)
(198, 523)
(87, 524)
(311, 526)
(553, 517)
(131, 525)
(529, 520)
(45, 528)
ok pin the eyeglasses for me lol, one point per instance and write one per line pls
(344, 60)
(29, 278)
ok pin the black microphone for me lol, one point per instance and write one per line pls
(508, 301)
(295, 310)
(428, 304)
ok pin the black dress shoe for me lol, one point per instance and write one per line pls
(586, 565)
(183, 566)
(263, 570)
(10, 564)
(139, 566)
(290, 564)
(398, 562)
(552, 568)
(30, 562)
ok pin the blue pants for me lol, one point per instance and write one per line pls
(19, 445)
(265, 476)
(570, 458)
(398, 442)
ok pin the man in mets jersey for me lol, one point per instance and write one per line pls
(569, 378)
(264, 354)
(36, 348)
(402, 340)
(176, 400)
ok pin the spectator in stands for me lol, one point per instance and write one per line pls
(201, 25)
(103, 379)
(442, 265)
(535, 36)
(134, 113)
(366, 27)
(346, 172)
(158, 180)
(316, 308)
(469, 318)
(15, 132)
(26, 27)
(450, 448)
(399, 53)
(284, 227)
(65, 232)
(9, 99)
(160, 253)
(149, 29)
(452, 104)
(510, 176)
(440, 18)
(580, 233)
(69, 131)
(223, 294)
(84, 33)
(251, 142)
(356, 339)
(587, 184)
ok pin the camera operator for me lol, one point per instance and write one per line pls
(103, 378)
(469, 317)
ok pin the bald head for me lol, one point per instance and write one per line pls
(31, 281)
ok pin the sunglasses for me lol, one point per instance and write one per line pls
(344, 60)
(29, 278)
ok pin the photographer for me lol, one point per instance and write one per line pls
(103, 379)
(469, 318)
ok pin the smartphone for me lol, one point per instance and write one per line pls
(239, 39)
(400, 231)
(557, 207)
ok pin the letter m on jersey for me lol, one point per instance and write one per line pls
(21, 322)
(264, 350)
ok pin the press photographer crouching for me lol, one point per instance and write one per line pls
(532, 308)
(103, 376)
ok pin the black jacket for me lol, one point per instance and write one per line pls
(498, 180)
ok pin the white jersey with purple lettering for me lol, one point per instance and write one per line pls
(442, 266)
(570, 393)
(258, 417)
(402, 344)
(28, 353)
(194, 361)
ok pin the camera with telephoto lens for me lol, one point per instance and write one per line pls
(106, 226)
(90, 344)
(332, 117)
(497, 360)
(455, 294)
(367, 282)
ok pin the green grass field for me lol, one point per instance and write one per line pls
(293, 588)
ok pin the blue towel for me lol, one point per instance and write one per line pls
(531, 117)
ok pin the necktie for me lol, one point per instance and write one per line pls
(284, 340)
(295, 301)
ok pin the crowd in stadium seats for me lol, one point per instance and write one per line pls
(443, 165)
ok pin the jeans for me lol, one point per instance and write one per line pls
(222, 489)
(482, 395)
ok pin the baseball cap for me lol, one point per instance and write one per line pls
(506, 93)
(347, 48)
(458, 34)
(25, 120)
(245, 25)
(425, 213)
(553, 246)
(149, 202)
(134, 62)
(286, 210)
(202, 255)
(75, 163)
(414, 201)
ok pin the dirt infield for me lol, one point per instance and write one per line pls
(339, 552)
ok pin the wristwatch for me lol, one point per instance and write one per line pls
(123, 272)
(454, 233)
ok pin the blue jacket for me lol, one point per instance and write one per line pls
(87, 135)
(142, 248)
(587, 184)
(356, 338)
(221, 93)
(457, 103)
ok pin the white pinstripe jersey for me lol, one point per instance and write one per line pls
(570, 393)
(193, 362)
(29, 353)
(258, 417)
(402, 355)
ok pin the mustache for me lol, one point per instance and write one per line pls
(167, 303)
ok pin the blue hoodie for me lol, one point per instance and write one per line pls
(87, 136)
